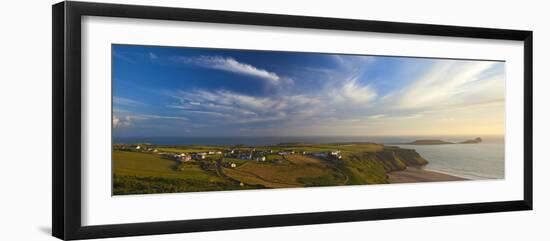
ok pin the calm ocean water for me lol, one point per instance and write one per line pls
(474, 161)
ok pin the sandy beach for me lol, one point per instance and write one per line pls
(414, 174)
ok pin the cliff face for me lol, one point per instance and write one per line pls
(372, 167)
(396, 159)
(410, 157)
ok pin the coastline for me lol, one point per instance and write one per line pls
(415, 174)
(147, 168)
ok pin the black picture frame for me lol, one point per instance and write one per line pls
(66, 158)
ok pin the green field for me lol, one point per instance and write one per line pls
(291, 175)
(137, 173)
(140, 172)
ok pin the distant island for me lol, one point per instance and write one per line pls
(473, 141)
(441, 142)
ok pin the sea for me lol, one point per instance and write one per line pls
(480, 161)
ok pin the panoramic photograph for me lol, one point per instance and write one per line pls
(188, 119)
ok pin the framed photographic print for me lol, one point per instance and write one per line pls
(170, 120)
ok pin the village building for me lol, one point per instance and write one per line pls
(200, 156)
(320, 154)
(183, 157)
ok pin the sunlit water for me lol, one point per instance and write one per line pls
(473, 161)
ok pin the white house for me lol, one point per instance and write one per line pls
(183, 158)
(200, 156)
(138, 147)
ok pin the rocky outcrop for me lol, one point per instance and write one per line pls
(473, 141)
(441, 142)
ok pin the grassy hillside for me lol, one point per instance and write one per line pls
(298, 172)
(140, 173)
(137, 172)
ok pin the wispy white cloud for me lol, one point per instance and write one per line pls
(144, 116)
(124, 118)
(353, 62)
(354, 92)
(449, 83)
(121, 121)
(379, 116)
(284, 108)
(201, 112)
(231, 107)
(126, 101)
(232, 65)
(411, 116)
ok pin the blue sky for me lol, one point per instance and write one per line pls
(174, 91)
